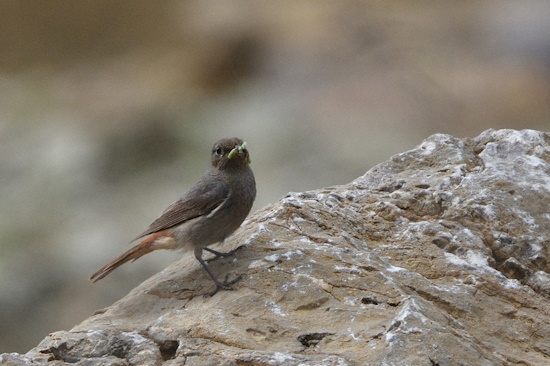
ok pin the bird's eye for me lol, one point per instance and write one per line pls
(218, 151)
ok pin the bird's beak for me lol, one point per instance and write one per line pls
(238, 150)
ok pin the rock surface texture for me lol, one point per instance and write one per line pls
(438, 256)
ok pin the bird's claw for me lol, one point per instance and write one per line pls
(218, 255)
(225, 285)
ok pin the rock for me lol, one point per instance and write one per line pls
(437, 257)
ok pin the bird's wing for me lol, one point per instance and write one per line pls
(201, 200)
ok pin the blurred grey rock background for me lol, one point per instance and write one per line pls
(109, 109)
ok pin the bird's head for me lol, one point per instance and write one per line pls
(230, 153)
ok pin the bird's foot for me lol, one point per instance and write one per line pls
(225, 285)
(218, 255)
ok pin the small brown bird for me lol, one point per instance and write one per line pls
(209, 212)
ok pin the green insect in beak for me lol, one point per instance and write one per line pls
(239, 150)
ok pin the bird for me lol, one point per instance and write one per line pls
(211, 210)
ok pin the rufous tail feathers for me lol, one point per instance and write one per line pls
(146, 246)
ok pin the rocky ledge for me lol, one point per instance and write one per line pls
(438, 256)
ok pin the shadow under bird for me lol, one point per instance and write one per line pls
(206, 214)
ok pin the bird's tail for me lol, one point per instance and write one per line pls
(146, 246)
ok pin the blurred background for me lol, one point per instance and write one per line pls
(109, 109)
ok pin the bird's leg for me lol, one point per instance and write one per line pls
(219, 285)
(218, 255)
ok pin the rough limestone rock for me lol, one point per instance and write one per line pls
(437, 257)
